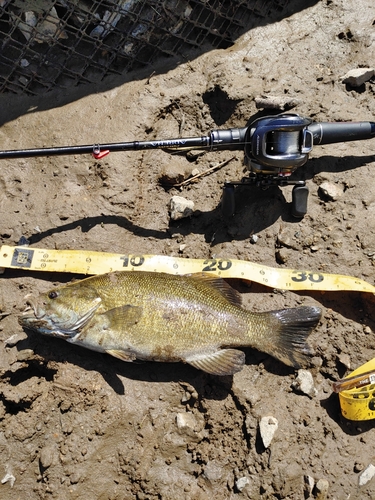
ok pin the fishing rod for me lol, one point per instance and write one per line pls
(275, 146)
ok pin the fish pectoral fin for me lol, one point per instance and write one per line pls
(222, 362)
(124, 356)
(126, 315)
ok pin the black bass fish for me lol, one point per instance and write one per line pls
(194, 318)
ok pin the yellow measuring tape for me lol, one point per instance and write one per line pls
(357, 402)
(89, 262)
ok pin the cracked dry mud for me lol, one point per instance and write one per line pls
(77, 424)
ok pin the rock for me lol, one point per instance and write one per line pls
(309, 485)
(281, 103)
(25, 354)
(345, 360)
(330, 191)
(285, 239)
(8, 478)
(268, 427)
(321, 489)
(185, 420)
(254, 238)
(366, 475)
(188, 424)
(14, 339)
(213, 471)
(180, 207)
(46, 457)
(358, 466)
(282, 255)
(305, 383)
(242, 482)
(357, 77)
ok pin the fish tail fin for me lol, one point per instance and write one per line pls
(288, 330)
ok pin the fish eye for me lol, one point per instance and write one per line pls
(53, 295)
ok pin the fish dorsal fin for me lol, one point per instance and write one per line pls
(219, 285)
(222, 362)
(126, 315)
(123, 355)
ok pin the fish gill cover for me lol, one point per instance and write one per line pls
(62, 43)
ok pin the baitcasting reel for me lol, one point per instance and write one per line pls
(274, 146)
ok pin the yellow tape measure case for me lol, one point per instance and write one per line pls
(359, 403)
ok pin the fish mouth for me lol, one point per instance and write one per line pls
(36, 318)
(31, 305)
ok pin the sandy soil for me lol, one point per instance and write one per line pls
(77, 424)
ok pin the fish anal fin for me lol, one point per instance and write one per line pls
(124, 356)
(219, 285)
(221, 362)
(123, 316)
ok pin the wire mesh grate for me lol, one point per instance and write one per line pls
(49, 43)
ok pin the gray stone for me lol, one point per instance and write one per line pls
(330, 191)
(242, 482)
(357, 77)
(321, 489)
(309, 484)
(46, 456)
(366, 475)
(180, 207)
(213, 471)
(280, 103)
(268, 427)
(305, 383)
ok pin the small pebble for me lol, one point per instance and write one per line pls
(46, 457)
(8, 478)
(281, 103)
(25, 354)
(305, 383)
(254, 238)
(186, 420)
(282, 255)
(309, 485)
(330, 191)
(180, 207)
(345, 360)
(14, 339)
(366, 475)
(268, 427)
(357, 77)
(213, 471)
(358, 466)
(242, 482)
(321, 489)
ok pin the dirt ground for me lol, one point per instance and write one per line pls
(76, 424)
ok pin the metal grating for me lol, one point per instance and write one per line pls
(49, 43)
